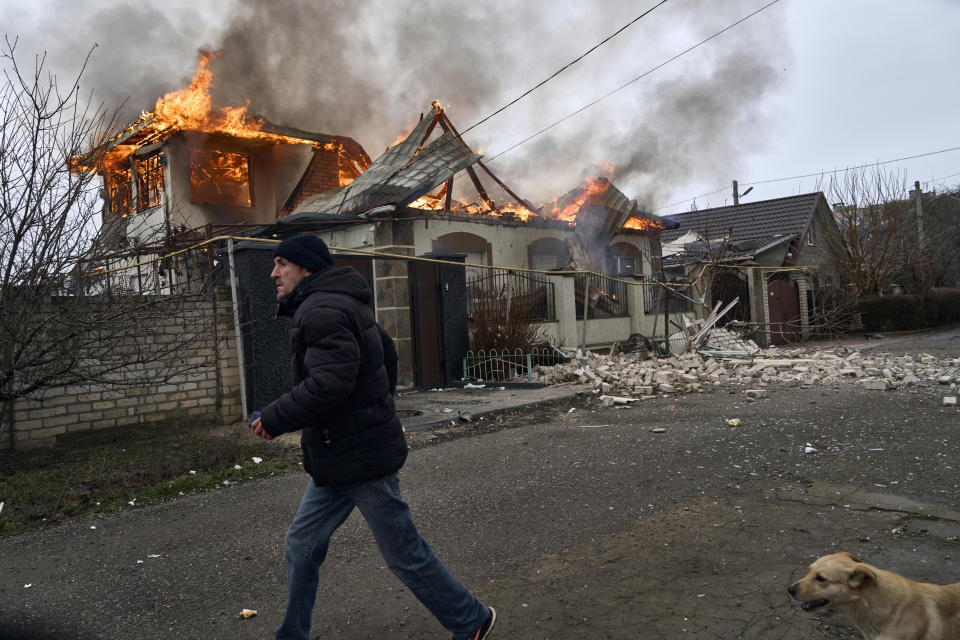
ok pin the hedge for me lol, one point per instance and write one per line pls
(910, 311)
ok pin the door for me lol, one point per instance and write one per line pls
(428, 365)
(784, 311)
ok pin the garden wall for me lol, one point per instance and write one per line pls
(210, 392)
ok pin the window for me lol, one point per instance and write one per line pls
(625, 265)
(624, 258)
(546, 254)
(477, 249)
(220, 177)
(120, 192)
(149, 182)
(547, 261)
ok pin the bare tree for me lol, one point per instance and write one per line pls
(941, 220)
(51, 334)
(875, 243)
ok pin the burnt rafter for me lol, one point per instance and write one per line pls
(441, 117)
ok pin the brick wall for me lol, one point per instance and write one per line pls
(322, 174)
(210, 392)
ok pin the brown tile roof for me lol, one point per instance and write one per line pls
(768, 219)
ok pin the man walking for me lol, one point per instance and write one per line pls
(345, 373)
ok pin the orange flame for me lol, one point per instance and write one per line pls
(643, 224)
(568, 206)
(403, 135)
(191, 108)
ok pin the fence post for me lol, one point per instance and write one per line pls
(586, 309)
(566, 309)
(635, 306)
(529, 368)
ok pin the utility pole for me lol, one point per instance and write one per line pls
(736, 194)
(918, 195)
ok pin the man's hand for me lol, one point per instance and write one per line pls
(258, 429)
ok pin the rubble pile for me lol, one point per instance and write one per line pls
(724, 339)
(630, 374)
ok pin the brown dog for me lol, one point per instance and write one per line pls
(883, 605)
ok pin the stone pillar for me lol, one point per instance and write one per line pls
(566, 308)
(802, 288)
(392, 288)
(635, 295)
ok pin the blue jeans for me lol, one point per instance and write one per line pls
(323, 509)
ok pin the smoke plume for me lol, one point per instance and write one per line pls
(368, 69)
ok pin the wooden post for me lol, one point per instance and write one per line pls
(449, 202)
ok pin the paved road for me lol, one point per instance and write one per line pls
(582, 524)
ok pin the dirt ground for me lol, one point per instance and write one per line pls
(573, 519)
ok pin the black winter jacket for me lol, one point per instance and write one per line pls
(344, 373)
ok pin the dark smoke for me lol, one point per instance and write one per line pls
(368, 69)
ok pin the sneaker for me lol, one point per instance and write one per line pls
(484, 631)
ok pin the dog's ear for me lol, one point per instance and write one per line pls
(850, 556)
(861, 577)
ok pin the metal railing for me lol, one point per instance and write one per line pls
(606, 297)
(492, 365)
(530, 296)
(654, 296)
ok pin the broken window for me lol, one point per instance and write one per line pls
(149, 182)
(120, 192)
(220, 177)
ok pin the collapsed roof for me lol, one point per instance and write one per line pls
(404, 173)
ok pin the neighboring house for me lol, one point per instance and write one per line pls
(772, 254)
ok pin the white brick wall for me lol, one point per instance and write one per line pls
(37, 422)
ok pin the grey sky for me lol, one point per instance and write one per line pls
(804, 86)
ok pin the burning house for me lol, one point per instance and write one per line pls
(188, 171)
(403, 205)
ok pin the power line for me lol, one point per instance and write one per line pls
(952, 175)
(815, 174)
(641, 76)
(566, 66)
(583, 108)
(524, 94)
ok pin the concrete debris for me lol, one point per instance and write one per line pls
(745, 364)
(948, 401)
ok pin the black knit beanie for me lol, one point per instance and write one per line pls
(310, 252)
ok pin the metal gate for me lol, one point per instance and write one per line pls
(784, 305)
(427, 330)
